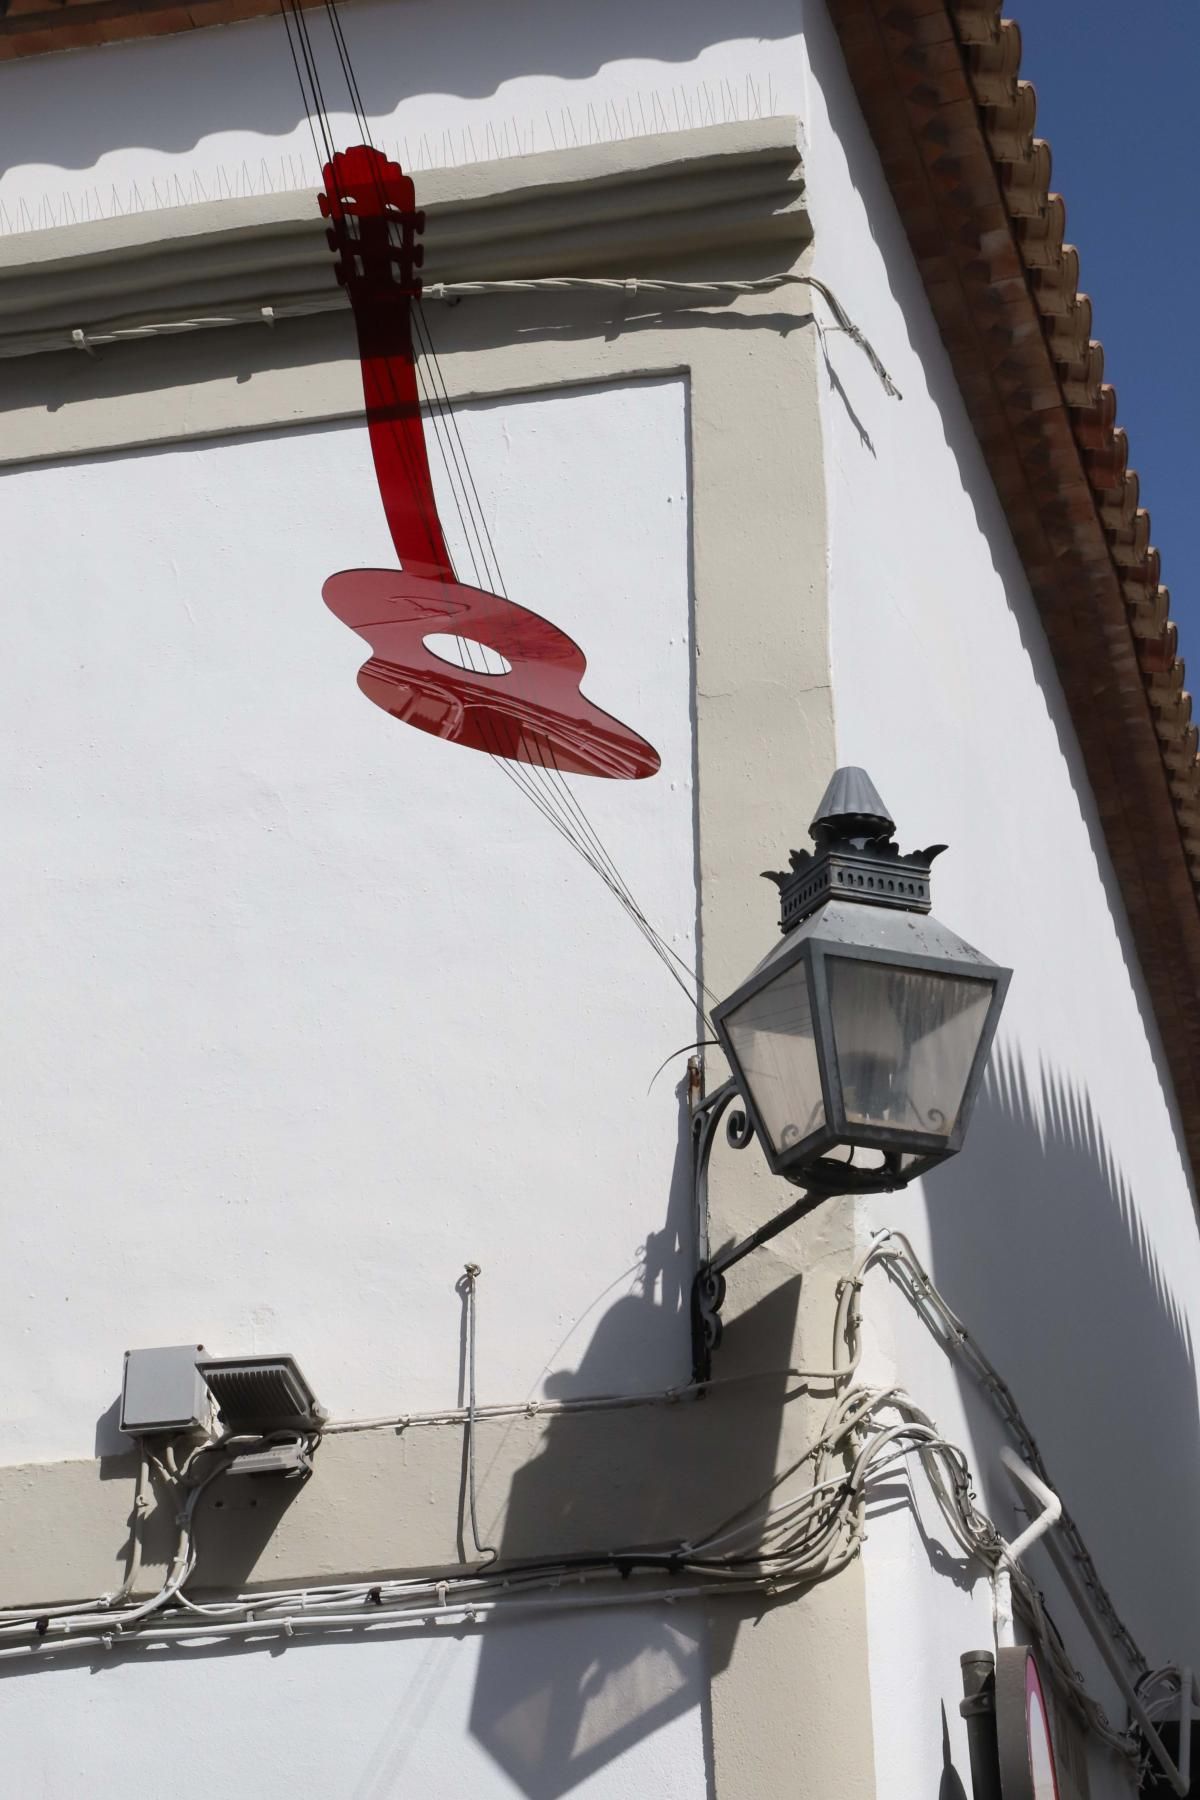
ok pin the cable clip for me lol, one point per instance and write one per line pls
(532, 1408)
(443, 1588)
(436, 291)
(267, 314)
(289, 1630)
(107, 1640)
(630, 284)
(80, 340)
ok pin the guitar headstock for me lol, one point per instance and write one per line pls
(373, 224)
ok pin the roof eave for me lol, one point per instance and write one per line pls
(937, 82)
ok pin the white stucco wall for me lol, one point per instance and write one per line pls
(545, 1708)
(255, 924)
(1065, 1235)
(306, 1009)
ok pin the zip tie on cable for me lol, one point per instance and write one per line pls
(443, 1588)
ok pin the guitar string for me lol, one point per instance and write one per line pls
(312, 130)
(543, 801)
(400, 442)
(599, 854)
(552, 796)
(614, 878)
(569, 798)
(399, 439)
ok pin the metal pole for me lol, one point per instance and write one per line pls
(978, 1708)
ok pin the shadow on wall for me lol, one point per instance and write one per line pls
(259, 93)
(555, 1702)
(1038, 1244)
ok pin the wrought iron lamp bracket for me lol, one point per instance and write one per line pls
(708, 1288)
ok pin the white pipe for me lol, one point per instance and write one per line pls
(1052, 1512)
(1052, 1506)
(1002, 1609)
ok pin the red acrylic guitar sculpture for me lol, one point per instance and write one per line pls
(536, 712)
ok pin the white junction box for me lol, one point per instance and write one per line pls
(163, 1390)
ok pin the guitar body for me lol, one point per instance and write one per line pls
(534, 713)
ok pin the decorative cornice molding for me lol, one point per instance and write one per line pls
(621, 208)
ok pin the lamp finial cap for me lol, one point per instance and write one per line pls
(851, 806)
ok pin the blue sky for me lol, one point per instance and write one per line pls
(1118, 88)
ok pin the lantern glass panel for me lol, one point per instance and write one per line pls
(906, 1041)
(774, 1041)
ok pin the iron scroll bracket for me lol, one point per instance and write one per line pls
(708, 1287)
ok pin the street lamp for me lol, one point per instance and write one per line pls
(858, 1043)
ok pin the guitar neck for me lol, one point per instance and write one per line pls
(374, 227)
(397, 433)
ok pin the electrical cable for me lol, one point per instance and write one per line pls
(773, 1550)
(470, 1277)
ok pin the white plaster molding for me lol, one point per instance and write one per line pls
(614, 209)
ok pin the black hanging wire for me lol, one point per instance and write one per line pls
(572, 820)
(551, 794)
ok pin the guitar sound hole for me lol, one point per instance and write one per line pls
(466, 653)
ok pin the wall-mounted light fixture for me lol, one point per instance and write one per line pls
(858, 1043)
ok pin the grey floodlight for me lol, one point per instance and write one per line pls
(260, 1395)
